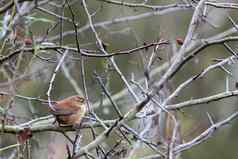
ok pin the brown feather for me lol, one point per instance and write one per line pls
(70, 110)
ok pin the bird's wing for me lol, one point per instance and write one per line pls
(63, 111)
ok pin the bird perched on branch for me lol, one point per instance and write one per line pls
(69, 111)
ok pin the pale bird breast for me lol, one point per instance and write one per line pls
(79, 115)
(82, 110)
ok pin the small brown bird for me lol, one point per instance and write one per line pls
(69, 111)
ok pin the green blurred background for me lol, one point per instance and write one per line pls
(123, 36)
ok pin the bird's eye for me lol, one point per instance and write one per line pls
(80, 99)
